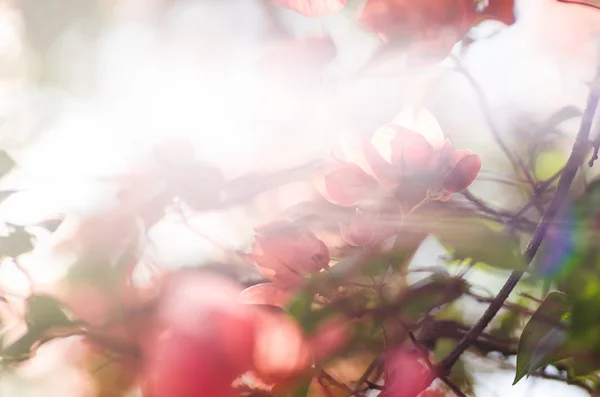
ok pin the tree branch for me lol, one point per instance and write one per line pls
(486, 108)
(572, 382)
(577, 157)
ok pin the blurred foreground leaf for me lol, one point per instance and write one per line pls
(541, 341)
(43, 315)
(18, 242)
(474, 240)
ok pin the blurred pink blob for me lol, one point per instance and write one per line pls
(407, 374)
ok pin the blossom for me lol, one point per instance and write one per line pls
(286, 252)
(429, 29)
(266, 294)
(365, 230)
(407, 373)
(409, 163)
(458, 168)
(283, 352)
(345, 183)
(203, 339)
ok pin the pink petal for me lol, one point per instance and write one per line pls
(442, 157)
(423, 122)
(280, 349)
(406, 373)
(330, 337)
(359, 232)
(410, 150)
(346, 185)
(266, 294)
(387, 174)
(354, 148)
(463, 174)
(457, 156)
(286, 252)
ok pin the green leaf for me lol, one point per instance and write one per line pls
(45, 312)
(300, 308)
(430, 293)
(541, 341)
(16, 243)
(6, 163)
(475, 240)
(301, 390)
(548, 163)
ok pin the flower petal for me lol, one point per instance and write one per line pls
(410, 150)
(285, 252)
(265, 294)
(458, 155)
(280, 349)
(422, 122)
(330, 337)
(407, 373)
(378, 154)
(353, 147)
(463, 174)
(441, 159)
(346, 184)
(359, 232)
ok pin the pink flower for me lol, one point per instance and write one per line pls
(286, 252)
(457, 170)
(204, 338)
(409, 163)
(266, 294)
(346, 184)
(281, 351)
(406, 373)
(365, 230)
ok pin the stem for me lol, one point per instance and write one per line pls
(454, 387)
(560, 194)
(324, 375)
(486, 108)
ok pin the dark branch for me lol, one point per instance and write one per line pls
(454, 387)
(577, 157)
(487, 113)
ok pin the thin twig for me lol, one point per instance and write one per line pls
(324, 375)
(519, 309)
(453, 386)
(579, 151)
(507, 216)
(365, 376)
(487, 113)
(572, 382)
